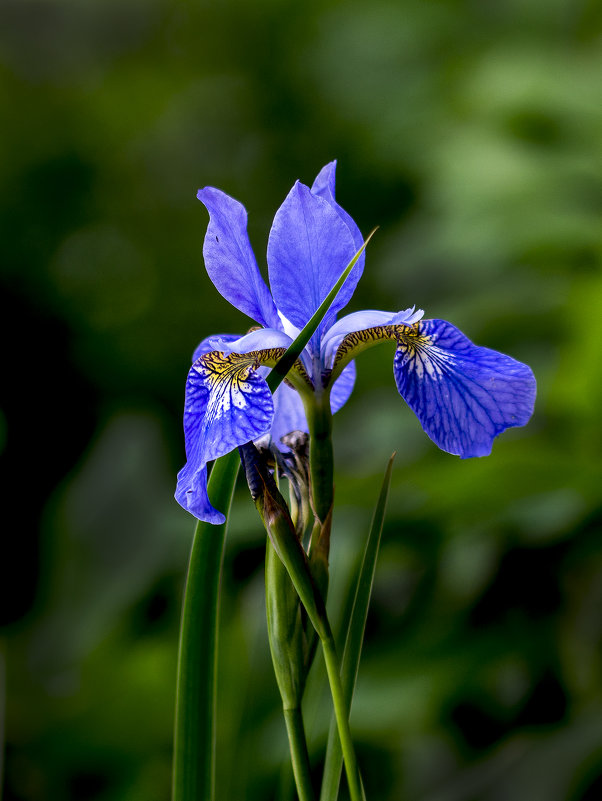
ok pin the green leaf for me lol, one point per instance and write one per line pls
(355, 637)
(279, 371)
(194, 735)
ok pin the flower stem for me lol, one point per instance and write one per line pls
(321, 460)
(299, 755)
(341, 711)
(286, 638)
(274, 513)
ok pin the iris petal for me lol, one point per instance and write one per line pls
(463, 395)
(342, 388)
(191, 494)
(308, 249)
(260, 339)
(213, 343)
(227, 404)
(289, 415)
(229, 258)
(239, 404)
(357, 322)
(324, 187)
(270, 345)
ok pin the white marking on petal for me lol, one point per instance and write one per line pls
(288, 328)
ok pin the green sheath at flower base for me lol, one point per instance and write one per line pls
(288, 644)
(288, 640)
(289, 647)
(276, 518)
(274, 513)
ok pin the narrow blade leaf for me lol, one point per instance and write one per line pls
(194, 735)
(355, 637)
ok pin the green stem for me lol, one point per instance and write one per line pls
(194, 735)
(321, 460)
(341, 711)
(299, 755)
(286, 645)
(273, 510)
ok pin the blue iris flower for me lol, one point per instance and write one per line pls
(462, 394)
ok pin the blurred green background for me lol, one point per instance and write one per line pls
(471, 133)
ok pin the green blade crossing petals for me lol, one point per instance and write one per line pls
(293, 352)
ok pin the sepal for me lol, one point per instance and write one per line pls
(227, 403)
(464, 395)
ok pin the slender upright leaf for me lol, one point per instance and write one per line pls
(355, 637)
(194, 740)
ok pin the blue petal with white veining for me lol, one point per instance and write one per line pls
(239, 404)
(464, 395)
(191, 494)
(230, 261)
(227, 404)
(308, 249)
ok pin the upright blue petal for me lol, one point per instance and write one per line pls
(289, 415)
(230, 261)
(463, 395)
(342, 388)
(227, 404)
(323, 187)
(308, 249)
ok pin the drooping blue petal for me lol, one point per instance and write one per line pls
(342, 388)
(191, 493)
(239, 405)
(463, 395)
(227, 404)
(229, 258)
(324, 187)
(308, 249)
(361, 321)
